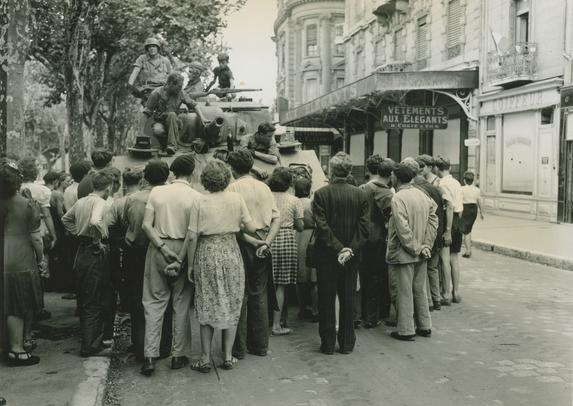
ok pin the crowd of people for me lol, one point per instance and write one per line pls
(147, 241)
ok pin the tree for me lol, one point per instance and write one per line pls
(98, 40)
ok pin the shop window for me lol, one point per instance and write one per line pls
(454, 28)
(312, 40)
(422, 42)
(518, 153)
(547, 115)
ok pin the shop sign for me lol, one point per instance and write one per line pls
(472, 142)
(421, 117)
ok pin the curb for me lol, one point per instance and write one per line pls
(531, 256)
(91, 392)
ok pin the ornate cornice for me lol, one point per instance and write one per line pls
(286, 11)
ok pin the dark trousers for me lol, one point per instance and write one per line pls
(115, 265)
(333, 280)
(94, 287)
(134, 271)
(253, 327)
(374, 293)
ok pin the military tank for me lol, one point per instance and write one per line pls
(216, 127)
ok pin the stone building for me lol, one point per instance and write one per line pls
(416, 53)
(310, 55)
(524, 60)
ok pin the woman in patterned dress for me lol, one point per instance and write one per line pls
(215, 262)
(284, 248)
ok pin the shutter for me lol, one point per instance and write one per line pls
(399, 51)
(454, 23)
(311, 35)
(421, 39)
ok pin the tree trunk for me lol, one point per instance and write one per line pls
(79, 25)
(14, 45)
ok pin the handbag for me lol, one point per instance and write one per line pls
(311, 255)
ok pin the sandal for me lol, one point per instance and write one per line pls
(21, 359)
(283, 331)
(230, 364)
(201, 366)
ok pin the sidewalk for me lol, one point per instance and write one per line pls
(62, 378)
(535, 241)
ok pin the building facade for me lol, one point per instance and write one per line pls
(311, 60)
(417, 35)
(523, 66)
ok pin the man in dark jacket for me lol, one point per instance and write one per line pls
(374, 291)
(342, 219)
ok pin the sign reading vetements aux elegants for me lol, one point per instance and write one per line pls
(422, 117)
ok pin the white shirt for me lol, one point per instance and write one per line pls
(259, 199)
(71, 195)
(452, 192)
(87, 217)
(171, 205)
(471, 194)
(40, 193)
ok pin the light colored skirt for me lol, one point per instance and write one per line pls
(219, 281)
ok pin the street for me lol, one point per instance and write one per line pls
(508, 343)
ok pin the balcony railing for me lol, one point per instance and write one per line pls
(514, 66)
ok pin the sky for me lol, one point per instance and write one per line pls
(252, 51)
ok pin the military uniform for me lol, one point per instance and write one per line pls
(259, 143)
(154, 71)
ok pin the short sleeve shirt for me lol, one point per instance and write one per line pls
(470, 194)
(171, 206)
(289, 207)
(259, 200)
(71, 195)
(40, 193)
(452, 192)
(218, 213)
(153, 70)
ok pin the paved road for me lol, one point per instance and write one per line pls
(508, 343)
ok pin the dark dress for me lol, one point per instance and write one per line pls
(23, 294)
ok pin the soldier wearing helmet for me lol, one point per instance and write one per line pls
(223, 74)
(194, 84)
(150, 70)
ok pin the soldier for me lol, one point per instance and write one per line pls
(163, 105)
(223, 74)
(150, 68)
(194, 84)
(262, 142)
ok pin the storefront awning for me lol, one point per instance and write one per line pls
(379, 83)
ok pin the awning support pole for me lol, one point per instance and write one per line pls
(465, 102)
(346, 136)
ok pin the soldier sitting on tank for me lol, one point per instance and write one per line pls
(163, 106)
(151, 69)
(263, 143)
(194, 85)
(222, 73)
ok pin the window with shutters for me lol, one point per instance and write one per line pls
(380, 52)
(339, 38)
(454, 28)
(312, 40)
(521, 29)
(400, 45)
(422, 42)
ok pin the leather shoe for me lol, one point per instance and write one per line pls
(148, 367)
(424, 333)
(372, 324)
(398, 336)
(446, 302)
(179, 362)
(437, 305)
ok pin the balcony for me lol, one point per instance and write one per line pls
(513, 67)
(384, 9)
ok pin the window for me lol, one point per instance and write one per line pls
(454, 29)
(311, 40)
(422, 42)
(339, 39)
(380, 52)
(339, 82)
(521, 21)
(400, 45)
(547, 116)
(310, 89)
(490, 125)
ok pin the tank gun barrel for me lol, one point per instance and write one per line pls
(221, 92)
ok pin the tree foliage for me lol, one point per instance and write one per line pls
(89, 46)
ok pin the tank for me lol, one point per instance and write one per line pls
(215, 128)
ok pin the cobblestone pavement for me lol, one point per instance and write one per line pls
(508, 343)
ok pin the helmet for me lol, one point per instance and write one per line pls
(152, 41)
(223, 57)
(197, 66)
